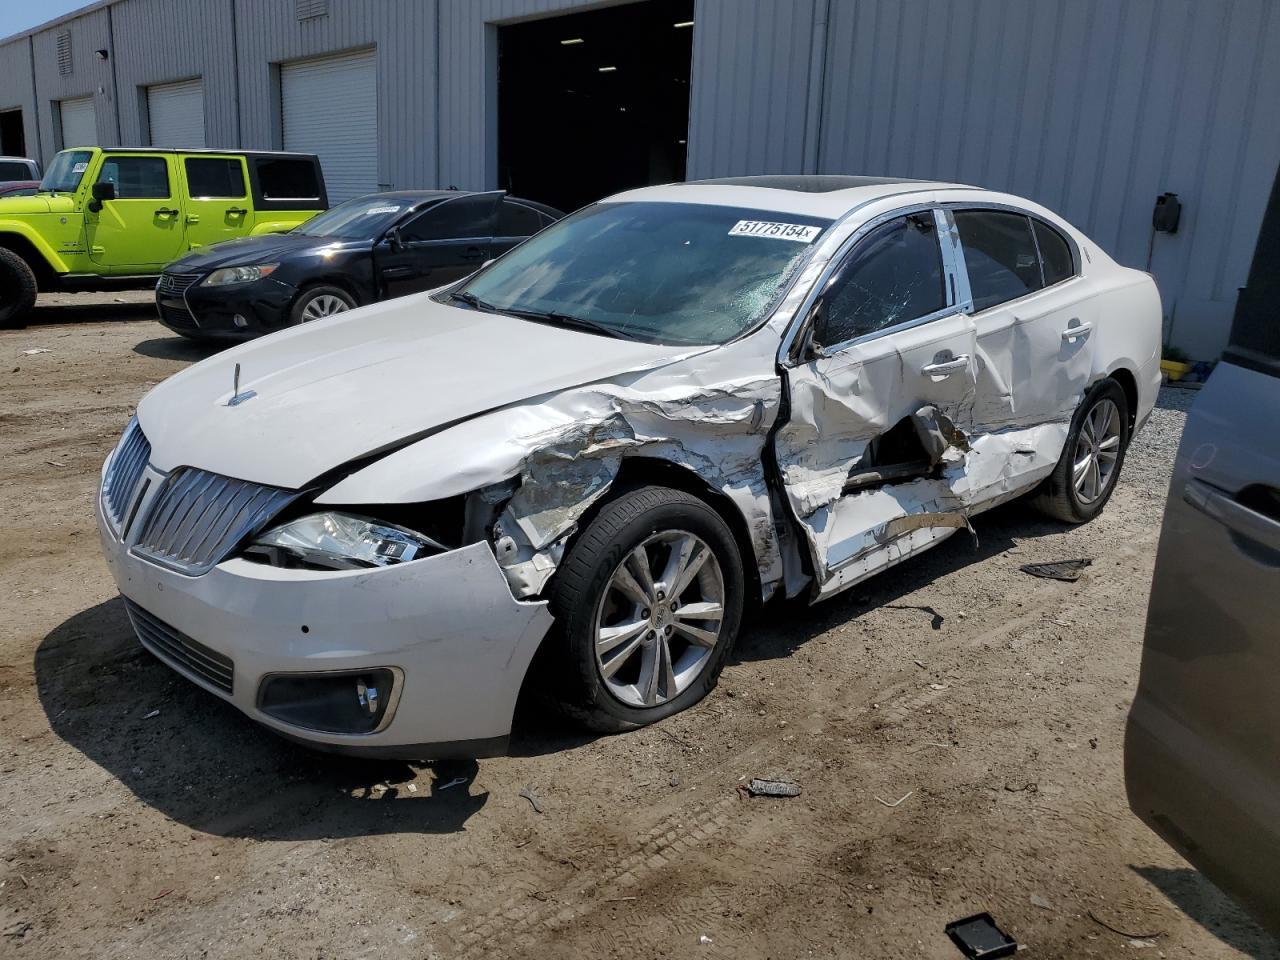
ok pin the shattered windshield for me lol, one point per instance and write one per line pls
(66, 172)
(679, 273)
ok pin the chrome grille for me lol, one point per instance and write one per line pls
(176, 284)
(198, 518)
(180, 651)
(121, 480)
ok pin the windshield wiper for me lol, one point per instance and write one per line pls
(471, 300)
(568, 320)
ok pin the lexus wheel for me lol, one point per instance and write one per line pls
(316, 303)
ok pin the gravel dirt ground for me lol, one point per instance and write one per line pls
(956, 726)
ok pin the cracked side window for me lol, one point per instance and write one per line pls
(893, 276)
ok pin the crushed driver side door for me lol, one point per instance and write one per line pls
(882, 379)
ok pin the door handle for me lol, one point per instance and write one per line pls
(1232, 514)
(236, 211)
(945, 368)
(1075, 330)
(166, 212)
(473, 253)
(397, 273)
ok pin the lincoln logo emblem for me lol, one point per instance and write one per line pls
(236, 396)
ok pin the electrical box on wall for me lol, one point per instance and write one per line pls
(1167, 212)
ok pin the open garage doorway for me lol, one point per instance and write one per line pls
(13, 142)
(596, 102)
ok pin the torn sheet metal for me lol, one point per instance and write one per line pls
(710, 415)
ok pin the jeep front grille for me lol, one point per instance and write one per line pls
(124, 471)
(198, 518)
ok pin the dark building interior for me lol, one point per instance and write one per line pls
(12, 139)
(596, 102)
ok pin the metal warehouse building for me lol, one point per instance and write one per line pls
(1092, 107)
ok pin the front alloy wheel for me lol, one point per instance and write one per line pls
(659, 618)
(647, 603)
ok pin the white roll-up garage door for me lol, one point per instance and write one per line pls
(79, 122)
(329, 107)
(176, 114)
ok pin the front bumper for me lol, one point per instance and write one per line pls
(448, 624)
(210, 312)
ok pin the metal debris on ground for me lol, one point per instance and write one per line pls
(705, 940)
(979, 938)
(1068, 571)
(532, 797)
(773, 788)
(458, 781)
(901, 799)
(153, 713)
(32, 353)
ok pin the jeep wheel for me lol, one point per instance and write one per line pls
(17, 289)
(647, 604)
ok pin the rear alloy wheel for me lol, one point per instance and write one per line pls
(1089, 467)
(320, 302)
(17, 289)
(647, 603)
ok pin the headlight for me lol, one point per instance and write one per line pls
(230, 275)
(342, 541)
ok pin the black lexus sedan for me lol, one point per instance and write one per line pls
(368, 249)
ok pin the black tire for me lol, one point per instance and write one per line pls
(311, 295)
(17, 289)
(1057, 496)
(571, 673)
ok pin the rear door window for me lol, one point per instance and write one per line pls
(1055, 254)
(1000, 256)
(893, 276)
(137, 178)
(461, 218)
(215, 178)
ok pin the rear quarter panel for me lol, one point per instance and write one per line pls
(1128, 331)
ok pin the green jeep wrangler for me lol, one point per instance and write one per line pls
(104, 217)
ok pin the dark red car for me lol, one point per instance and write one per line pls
(19, 188)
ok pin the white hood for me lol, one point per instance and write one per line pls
(353, 385)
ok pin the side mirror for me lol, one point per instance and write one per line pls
(102, 191)
(395, 240)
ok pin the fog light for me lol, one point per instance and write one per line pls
(343, 702)
(239, 320)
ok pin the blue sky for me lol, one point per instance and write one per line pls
(19, 15)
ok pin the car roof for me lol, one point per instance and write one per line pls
(228, 152)
(819, 195)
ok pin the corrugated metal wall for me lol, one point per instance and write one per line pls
(403, 34)
(1092, 107)
(89, 76)
(160, 41)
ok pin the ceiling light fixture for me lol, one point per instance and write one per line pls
(682, 24)
(608, 69)
(571, 41)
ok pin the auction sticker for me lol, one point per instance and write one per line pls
(372, 210)
(798, 232)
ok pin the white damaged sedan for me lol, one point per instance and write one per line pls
(580, 466)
